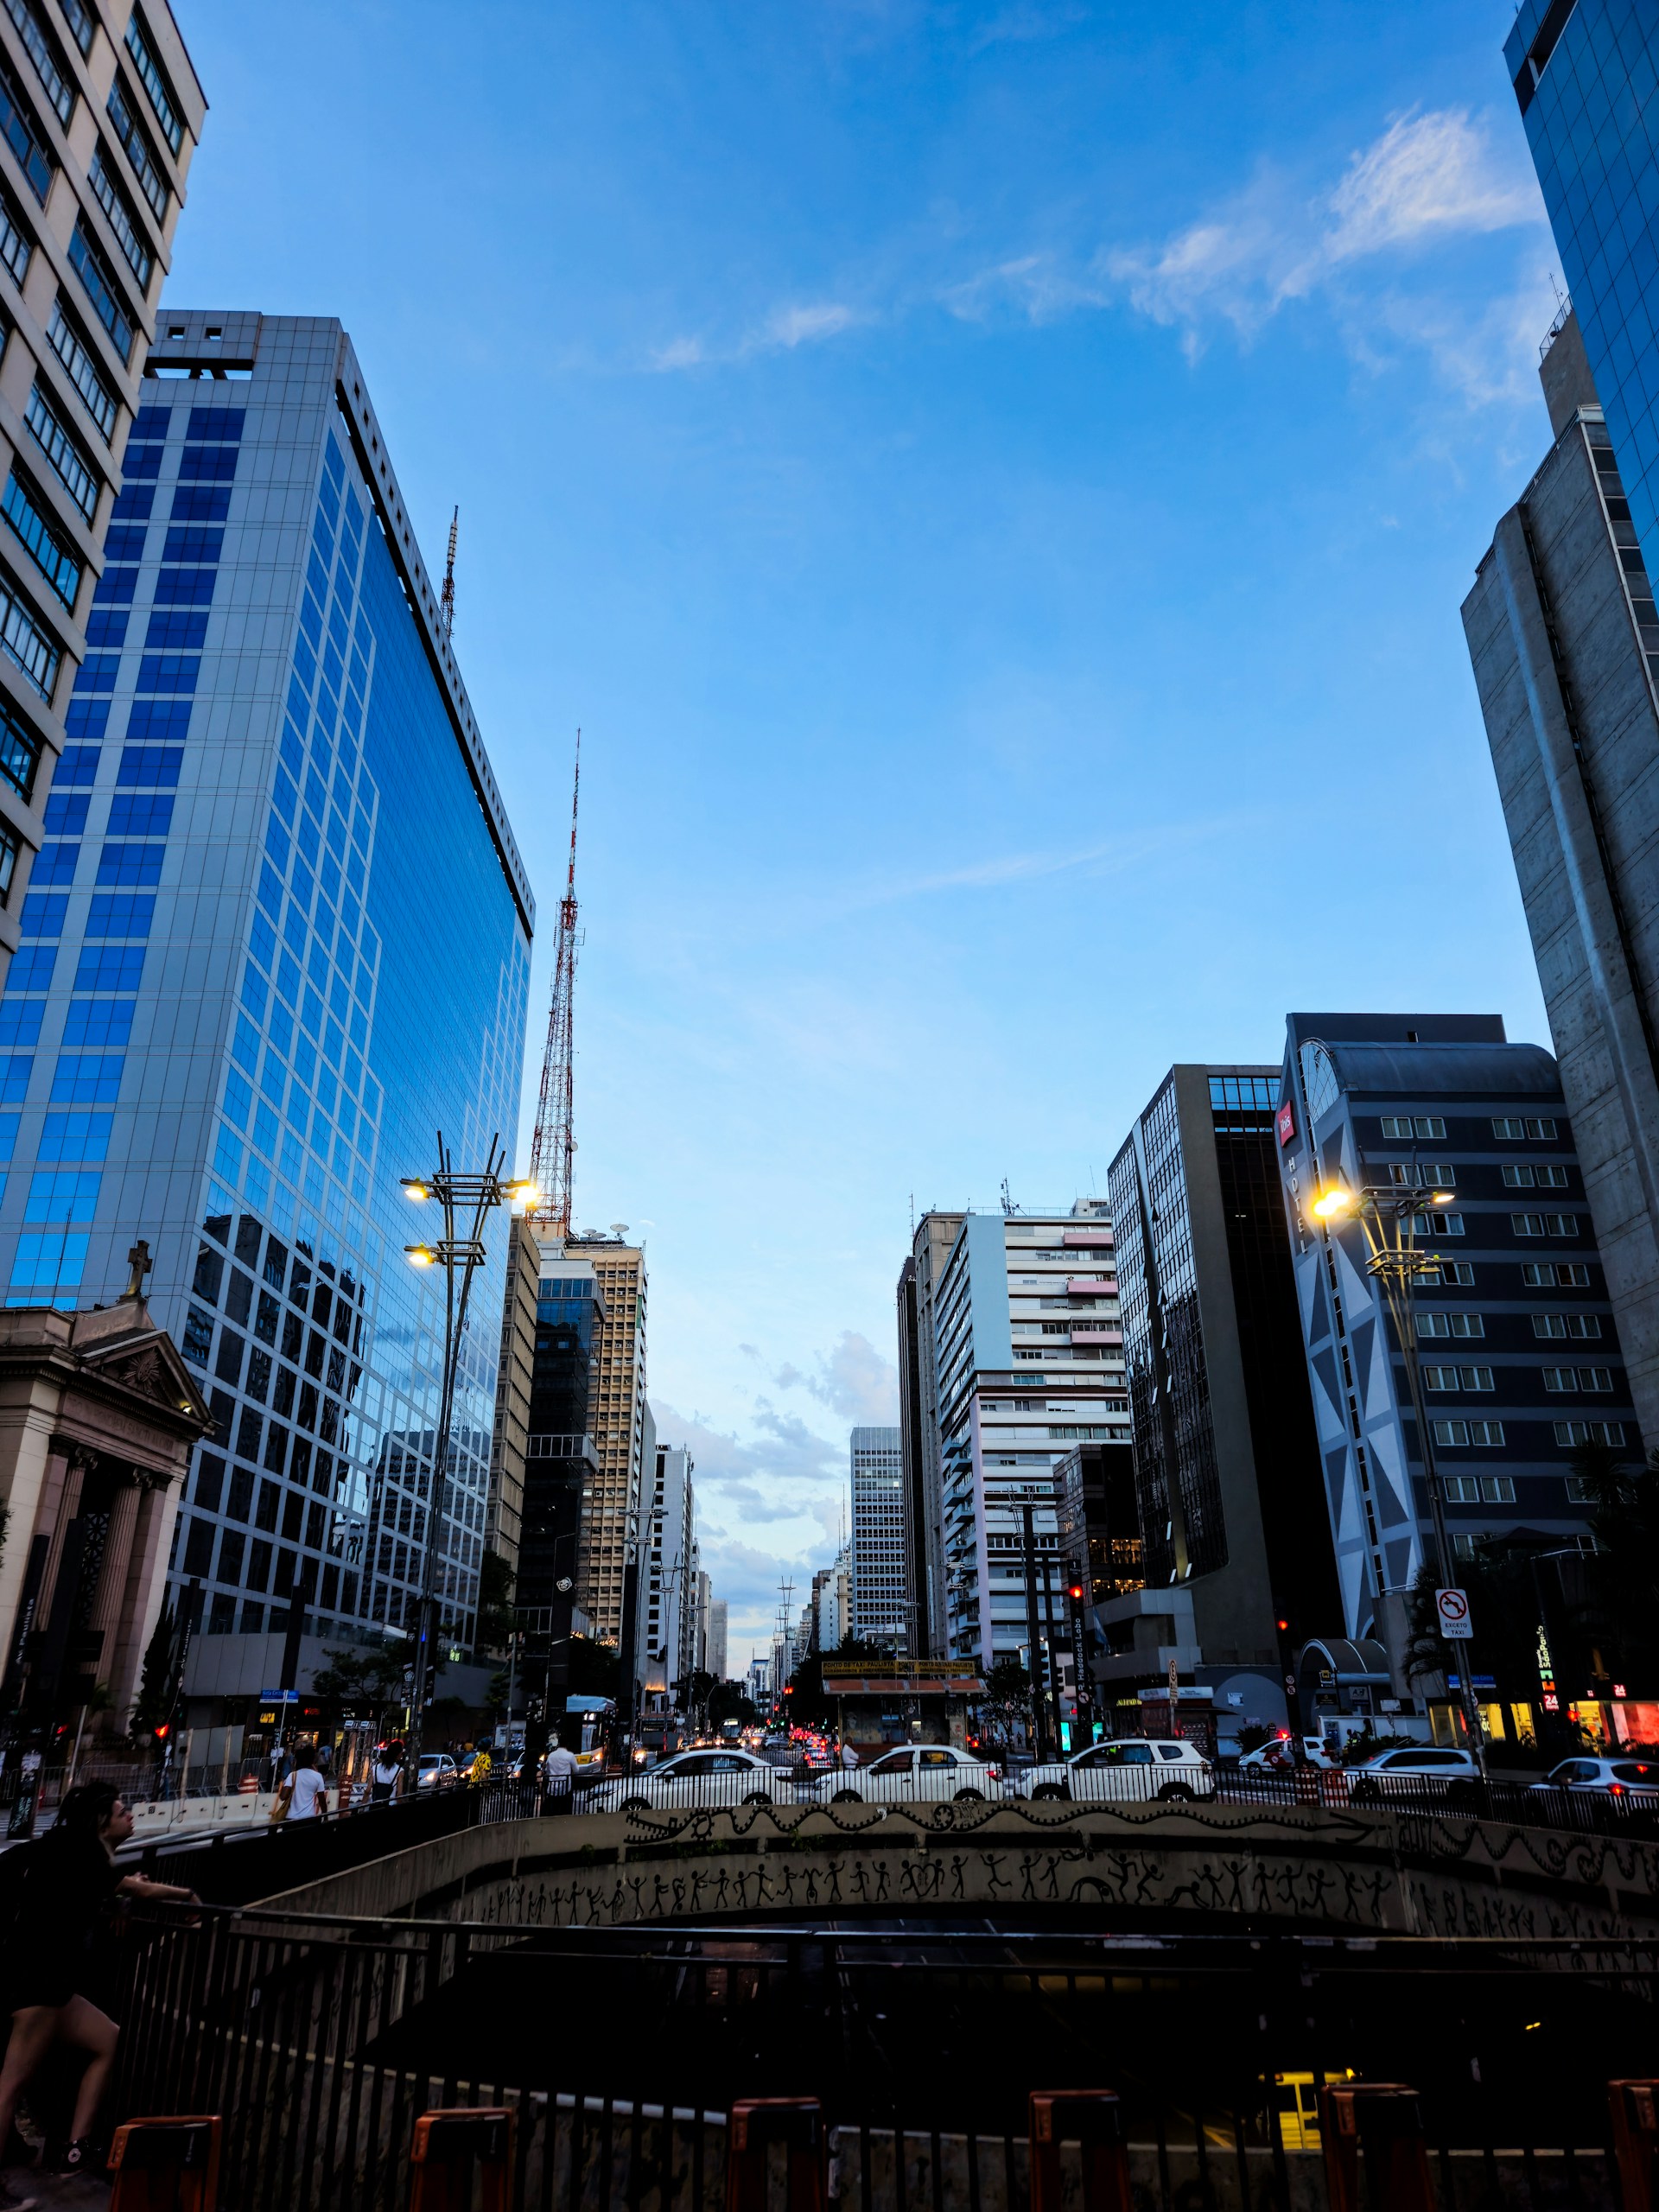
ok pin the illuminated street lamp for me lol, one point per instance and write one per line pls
(1387, 1213)
(466, 1200)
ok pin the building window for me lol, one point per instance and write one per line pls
(1511, 1128)
(19, 134)
(153, 81)
(79, 16)
(123, 219)
(16, 245)
(100, 287)
(20, 753)
(1572, 1435)
(9, 848)
(1558, 1275)
(1457, 1378)
(1480, 1489)
(1404, 1128)
(55, 561)
(62, 451)
(136, 146)
(1565, 1325)
(1578, 1378)
(1437, 1224)
(67, 343)
(1452, 1274)
(26, 644)
(1544, 1224)
(1433, 1324)
(42, 50)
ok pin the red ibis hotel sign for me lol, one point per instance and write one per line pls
(1286, 1123)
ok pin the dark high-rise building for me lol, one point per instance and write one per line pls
(1226, 1464)
(561, 1464)
(1515, 1333)
(1564, 638)
(919, 1432)
(1584, 73)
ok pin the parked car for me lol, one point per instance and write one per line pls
(1279, 1752)
(1395, 1773)
(932, 1772)
(438, 1771)
(690, 1780)
(1637, 1779)
(1125, 1770)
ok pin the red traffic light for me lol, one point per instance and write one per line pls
(162, 1730)
(1076, 1589)
(1284, 1627)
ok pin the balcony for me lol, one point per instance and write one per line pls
(1092, 1286)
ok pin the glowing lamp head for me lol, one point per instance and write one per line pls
(420, 1255)
(1440, 1197)
(415, 1188)
(1331, 1204)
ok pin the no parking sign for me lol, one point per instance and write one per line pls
(1452, 1607)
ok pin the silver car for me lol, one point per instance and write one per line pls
(690, 1781)
(1126, 1771)
(932, 1772)
(1635, 1779)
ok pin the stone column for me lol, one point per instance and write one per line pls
(109, 1601)
(142, 1586)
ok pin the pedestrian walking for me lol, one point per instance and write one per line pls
(386, 1774)
(558, 1777)
(304, 1796)
(70, 1878)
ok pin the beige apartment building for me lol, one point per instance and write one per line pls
(618, 1422)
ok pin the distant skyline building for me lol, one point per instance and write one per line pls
(920, 1437)
(617, 1417)
(232, 994)
(1227, 1464)
(717, 1661)
(882, 1609)
(1564, 640)
(669, 1573)
(1027, 1363)
(1583, 72)
(102, 111)
(1519, 1355)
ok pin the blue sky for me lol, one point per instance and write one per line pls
(993, 482)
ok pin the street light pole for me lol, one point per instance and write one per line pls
(467, 1199)
(1388, 1214)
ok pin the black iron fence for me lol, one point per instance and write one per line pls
(321, 2042)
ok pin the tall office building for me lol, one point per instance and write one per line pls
(920, 1448)
(1519, 1355)
(1227, 1464)
(716, 1660)
(669, 1575)
(881, 1597)
(1025, 1360)
(1564, 640)
(1583, 72)
(99, 114)
(514, 1381)
(617, 1421)
(241, 1028)
(560, 1466)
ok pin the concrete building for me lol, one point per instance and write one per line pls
(1026, 1362)
(242, 1027)
(882, 1603)
(1565, 643)
(717, 1661)
(920, 1431)
(514, 1374)
(700, 1640)
(1583, 73)
(617, 1416)
(102, 112)
(97, 1417)
(1227, 1464)
(666, 1645)
(560, 1464)
(1443, 1102)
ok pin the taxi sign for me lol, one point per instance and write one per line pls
(1452, 1608)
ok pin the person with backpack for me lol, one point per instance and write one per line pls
(386, 1774)
(70, 1878)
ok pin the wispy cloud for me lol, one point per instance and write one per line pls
(796, 323)
(854, 1381)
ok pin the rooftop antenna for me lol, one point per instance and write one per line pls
(447, 596)
(1008, 1203)
(552, 1151)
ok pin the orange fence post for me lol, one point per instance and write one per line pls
(798, 2123)
(447, 2144)
(166, 2164)
(1634, 2107)
(1093, 2119)
(1385, 2120)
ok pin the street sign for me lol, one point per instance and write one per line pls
(1452, 1607)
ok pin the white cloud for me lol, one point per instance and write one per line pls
(783, 329)
(854, 1381)
(1426, 175)
(804, 326)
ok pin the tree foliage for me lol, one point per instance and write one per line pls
(812, 1700)
(1005, 1710)
(731, 1702)
(495, 1591)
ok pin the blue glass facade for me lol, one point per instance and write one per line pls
(234, 1024)
(1585, 73)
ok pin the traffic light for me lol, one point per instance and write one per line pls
(1284, 1627)
(1077, 1592)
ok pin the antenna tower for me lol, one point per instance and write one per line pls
(553, 1147)
(447, 596)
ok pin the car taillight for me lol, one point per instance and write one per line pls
(1615, 1790)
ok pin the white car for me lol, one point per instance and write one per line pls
(1125, 1770)
(1637, 1779)
(438, 1771)
(1393, 1773)
(932, 1772)
(690, 1781)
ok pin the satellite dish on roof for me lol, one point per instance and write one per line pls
(618, 1228)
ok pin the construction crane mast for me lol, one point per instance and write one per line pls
(447, 596)
(552, 1151)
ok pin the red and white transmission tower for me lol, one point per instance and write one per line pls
(553, 1149)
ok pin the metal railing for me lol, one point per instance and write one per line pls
(322, 2040)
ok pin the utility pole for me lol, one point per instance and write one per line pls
(1034, 1637)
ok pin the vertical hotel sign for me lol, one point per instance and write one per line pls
(1287, 1123)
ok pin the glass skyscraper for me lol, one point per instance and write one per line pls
(1586, 74)
(279, 937)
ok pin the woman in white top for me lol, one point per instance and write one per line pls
(305, 1790)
